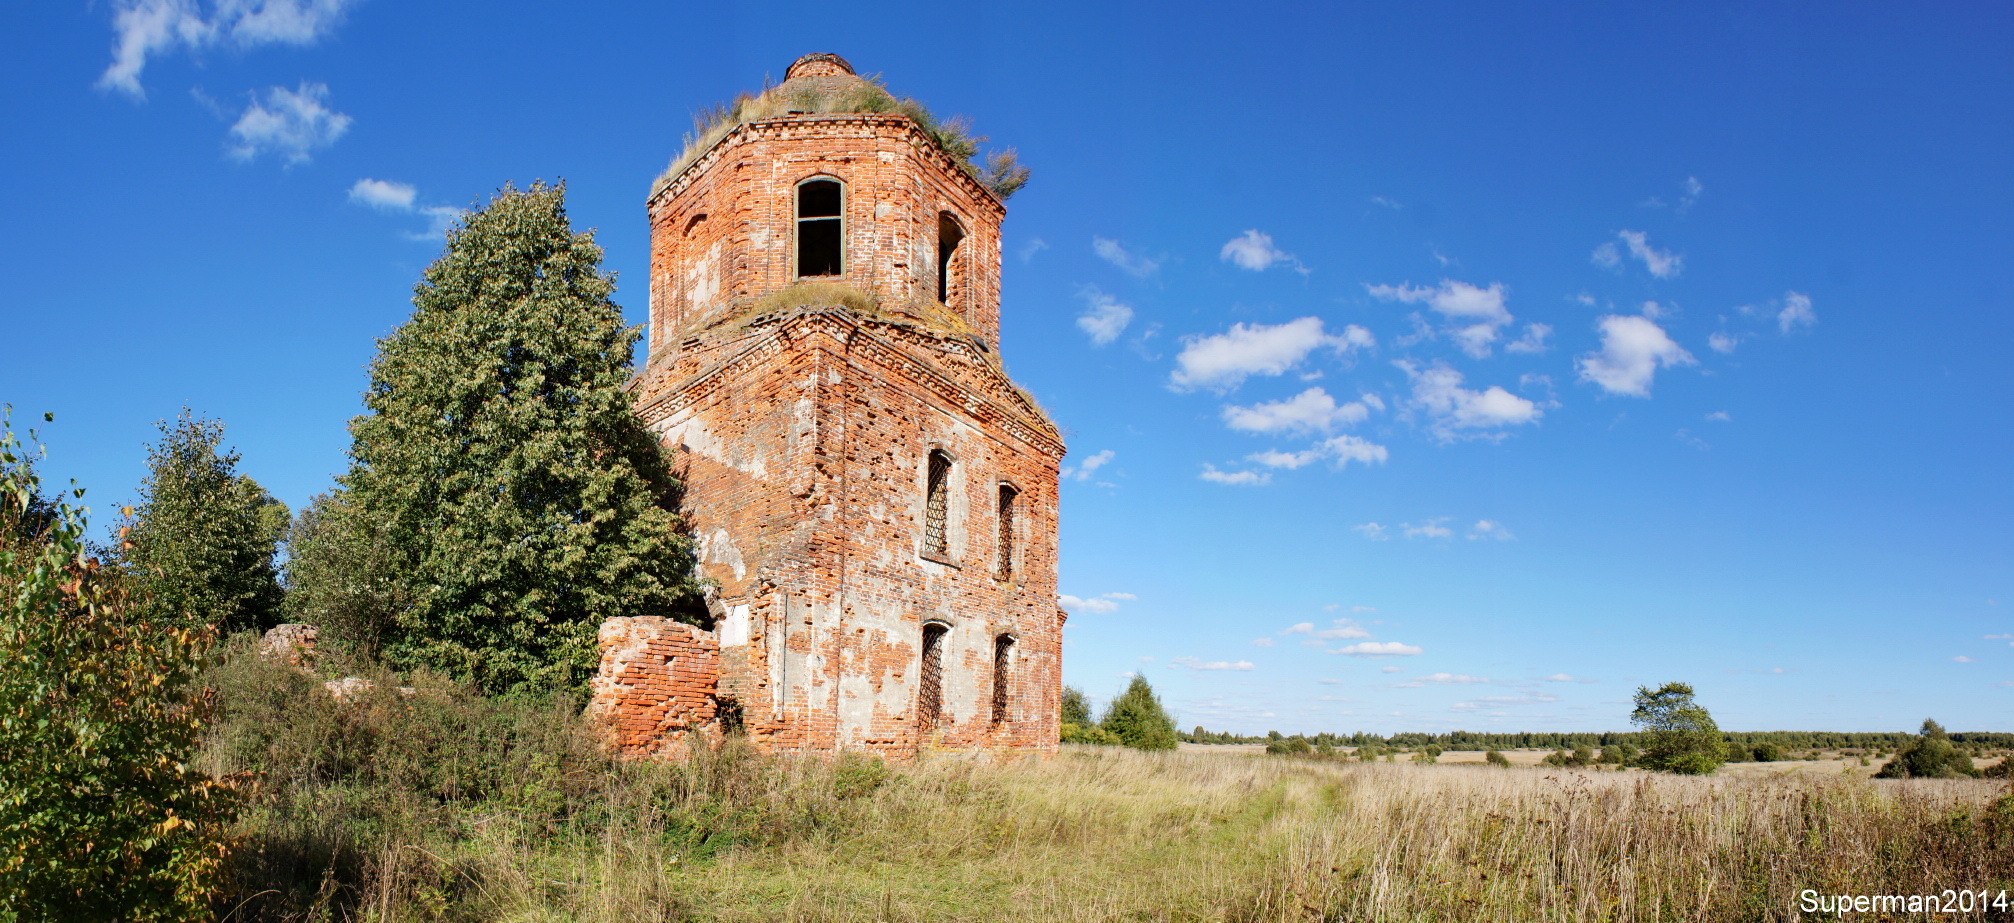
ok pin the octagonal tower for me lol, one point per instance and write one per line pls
(873, 500)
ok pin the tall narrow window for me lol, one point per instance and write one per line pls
(937, 507)
(949, 236)
(1003, 654)
(1005, 569)
(930, 685)
(820, 227)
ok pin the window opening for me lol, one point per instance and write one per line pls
(1007, 497)
(937, 502)
(819, 227)
(1003, 648)
(930, 690)
(949, 236)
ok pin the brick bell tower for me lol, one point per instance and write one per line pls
(873, 498)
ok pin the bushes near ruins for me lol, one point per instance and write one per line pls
(1929, 756)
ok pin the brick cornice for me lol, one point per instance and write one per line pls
(996, 402)
(783, 127)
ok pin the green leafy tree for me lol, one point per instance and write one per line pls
(1076, 708)
(101, 815)
(340, 575)
(1929, 756)
(519, 500)
(1678, 734)
(204, 537)
(1138, 720)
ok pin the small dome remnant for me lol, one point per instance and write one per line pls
(818, 64)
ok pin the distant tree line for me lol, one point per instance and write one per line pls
(1784, 741)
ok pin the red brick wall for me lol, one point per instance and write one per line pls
(656, 684)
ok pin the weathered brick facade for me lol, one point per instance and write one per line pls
(860, 473)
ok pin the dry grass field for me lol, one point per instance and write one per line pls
(1211, 834)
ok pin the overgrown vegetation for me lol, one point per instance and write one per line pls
(499, 477)
(1929, 756)
(1679, 735)
(1001, 170)
(102, 815)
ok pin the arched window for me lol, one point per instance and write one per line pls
(1005, 569)
(949, 236)
(930, 685)
(1003, 657)
(820, 227)
(937, 507)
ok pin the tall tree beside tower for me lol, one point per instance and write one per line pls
(520, 501)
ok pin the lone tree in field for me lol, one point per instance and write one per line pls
(1929, 756)
(204, 536)
(1138, 720)
(518, 500)
(1678, 735)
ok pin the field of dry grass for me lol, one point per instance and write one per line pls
(1113, 834)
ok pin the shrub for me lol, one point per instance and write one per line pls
(1679, 736)
(1137, 718)
(1497, 759)
(1075, 708)
(1929, 756)
(101, 815)
(1074, 733)
(1766, 752)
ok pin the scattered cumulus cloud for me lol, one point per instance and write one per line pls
(1083, 470)
(1240, 478)
(1720, 416)
(1445, 679)
(1132, 264)
(1432, 528)
(1632, 349)
(1961, 658)
(1194, 663)
(1373, 531)
(1379, 649)
(288, 124)
(1309, 411)
(1339, 451)
(1262, 642)
(1722, 343)
(1391, 669)
(1100, 605)
(1560, 678)
(1796, 313)
(1489, 530)
(1104, 317)
(1663, 264)
(1224, 360)
(1033, 246)
(1473, 316)
(1533, 340)
(150, 28)
(1254, 250)
(401, 198)
(1383, 202)
(1454, 411)
(1338, 629)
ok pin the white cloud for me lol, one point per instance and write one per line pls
(1662, 263)
(1341, 629)
(1391, 669)
(1453, 408)
(1032, 247)
(383, 195)
(1445, 679)
(1560, 678)
(1273, 458)
(1262, 642)
(1693, 187)
(1340, 451)
(1245, 478)
(288, 123)
(1307, 411)
(1474, 315)
(1632, 348)
(1796, 312)
(1373, 531)
(153, 27)
(1961, 658)
(1101, 604)
(1104, 317)
(1223, 360)
(1720, 416)
(1254, 250)
(1196, 664)
(1378, 649)
(1490, 530)
(1299, 628)
(1111, 251)
(1607, 256)
(2002, 637)
(1722, 342)
(1083, 470)
(1432, 528)
(1533, 340)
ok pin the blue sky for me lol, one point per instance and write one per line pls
(1424, 367)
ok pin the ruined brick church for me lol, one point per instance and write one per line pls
(872, 499)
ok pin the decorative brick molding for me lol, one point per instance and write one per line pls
(657, 683)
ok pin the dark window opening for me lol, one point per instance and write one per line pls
(820, 229)
(1007, 497)
(937, 503)
(1003, 649)
(949, 236)
(930, 688)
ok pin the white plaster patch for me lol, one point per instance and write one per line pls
(717, 547)
(692, 432)
(734, 628)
